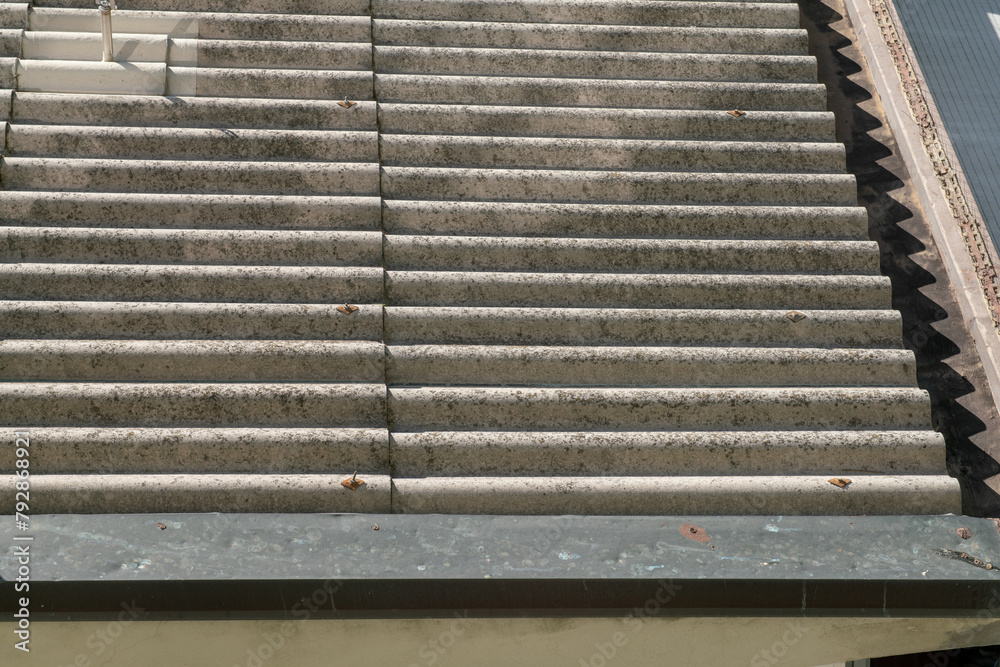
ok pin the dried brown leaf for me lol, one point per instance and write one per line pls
(162, 527)
(736, 113)
(347, 104)
(963, 532)
(795, 316)
(839, 481)
(347, 309)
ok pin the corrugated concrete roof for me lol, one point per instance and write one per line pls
(580, 258)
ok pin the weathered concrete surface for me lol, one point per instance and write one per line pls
(450, 325)
(629, 220)
(921, 494)
(708, 125)
(282, 451)
(191, 144)
(92, 494)
(592, 37)
(578, 257)
(174, 112)
(682, 453)
(532, 254)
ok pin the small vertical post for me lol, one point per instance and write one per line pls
(109, 46)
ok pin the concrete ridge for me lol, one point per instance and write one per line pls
(562, 325)
(618, 187)
(631, 219)
(208, 450)
(621, 366)
(190, 210)
(292, 7)
(192, 361)
(186, 246)
(676, 453)
(190, 176)
(90, 141)
(597, 64)
(582, 122)
(166, 320)
(674, 39)
(578, 257)
(190, 112)
(89, 494)
(167, 282)
(633, 155)
(209, 25)
(724, 13)
(609, 255)
(761, 495)
(609, 93)
(177, 404)
(487, 408)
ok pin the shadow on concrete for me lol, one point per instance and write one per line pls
(948, 366)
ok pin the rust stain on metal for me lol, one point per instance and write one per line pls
(693, 532)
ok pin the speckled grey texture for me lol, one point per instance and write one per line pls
(67, 141)
(8, 72)
(190, 211)
(641, 326)
(192, 404)
(95, 494)
(214, 25)
(151, 282)
(510, 253)
(269, 54)
(10, 42)
(186, 320)
(169, 246)
(191, 112)
(595, 64)
(623, 220)
(14, 15)
(192, 361)
(617, 187)
(633, 155)
(278, 451)
(581, 92)
(499, 121)
(336, 7)
(621, 366)
(538, 408)
(631, 453)
(299, 84)
(787, 494)
(753, 14)
(190, 176)
(596, 37)
(634, 290)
